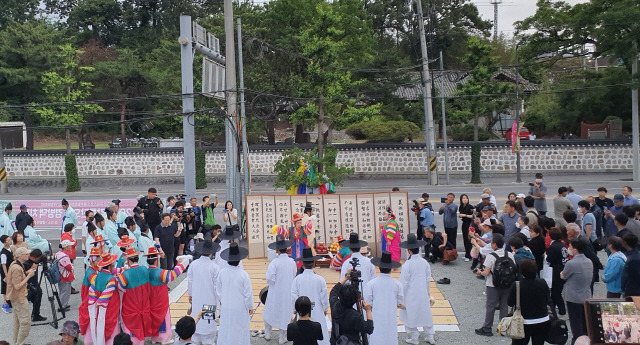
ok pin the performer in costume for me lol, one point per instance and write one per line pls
(104, 303)
(134, 231)
(415, 276)
(111, 232)
(125, 243)
(94, 239)
(390, 235)
(227, 237)
(309, 218)
(33, 239)
(83, 311)
(298, 234)
(69, 216)
(312, 285)
(6, 225)
(278, 306)
(159, 295)
(236, 298)
(134, 284)
(121, 214)
(202, 277)
(145, 241)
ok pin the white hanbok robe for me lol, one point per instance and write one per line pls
(202, 277)
(69, 217)
(384, 294)
(315, 287)
(144, 243)
(279, 307)
(415, 278)
(365, 266)
(6, 226)
(34, 240)
(111, 235)
(224, 244)
(236, 299)
(122, 215)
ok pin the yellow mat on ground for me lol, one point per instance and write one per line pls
(443, 313)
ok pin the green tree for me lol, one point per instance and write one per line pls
(63, 85)
(473, 98)
(98, 20)
(18, 11)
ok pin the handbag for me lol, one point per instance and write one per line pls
(513, 326)
(449, 255)
(547, 272)
(558, 333)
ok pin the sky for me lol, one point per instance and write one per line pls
(511, 11)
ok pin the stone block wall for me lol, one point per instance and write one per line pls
(372, 161)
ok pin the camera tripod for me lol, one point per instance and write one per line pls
(52, 297)
(355, 279)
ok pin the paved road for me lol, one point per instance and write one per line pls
(465, 292)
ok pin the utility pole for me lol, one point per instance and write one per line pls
(4, 188)
(231, 94)
(634, 115)
(495, 4)
(518, 147)
(444, 119)
(188, 132)
(426, 98)
(243, 117)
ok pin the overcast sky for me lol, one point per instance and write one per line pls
(510, 11)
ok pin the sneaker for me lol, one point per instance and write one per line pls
(37, 318)
(467, 259)
(412, 341)
(282, 340)
(484, 331)
(563, 317)
(6, 308)
(429, 339)
(267, 336)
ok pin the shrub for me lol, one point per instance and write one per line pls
(465, 133)
(71, 172)
(475, 162)
(201, 163)
(383, 131)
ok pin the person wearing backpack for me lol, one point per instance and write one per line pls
(500, 272)
(65, 268)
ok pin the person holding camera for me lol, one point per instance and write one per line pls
(347, 321)
(201, 280)
(207, 209)
(312, 285)
(230, 214)
(364, 266)
(449, 212)
(151, 207)
(194, 218)
(17, 279)
(34, 291)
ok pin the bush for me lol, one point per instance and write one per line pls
(465, 133)
(383, 131)
(71, 172)
(201, 163)
(475, 162)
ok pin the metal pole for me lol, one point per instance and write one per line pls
(518, 169)
(444, 119)
(426, 98)
(4, 188)
(634, 114)
(230, 123)
(245, 143)
(189, 153)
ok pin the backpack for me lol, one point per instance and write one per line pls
(505, 271)
(537, 217)
(53, 273)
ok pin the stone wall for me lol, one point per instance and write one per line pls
(381, 160)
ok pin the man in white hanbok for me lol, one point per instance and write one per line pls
(364, 264)
(202, 278)
(280, 274)
(226, 237)
(236, 298)
(6, 226)
(312, 285)
(111, 233)
(415, 278)
(69, 216)
(385, 294)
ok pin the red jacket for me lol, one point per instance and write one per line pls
(67, 236)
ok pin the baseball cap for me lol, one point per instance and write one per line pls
(485, 196)
(23, 207)
(66, 243)
(521, 195)
(618, 197)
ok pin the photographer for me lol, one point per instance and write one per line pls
(194, 218)
(34, 292)
(151, 208)
(348, 321)
(17, 279)
(183, 218)
(207, 209)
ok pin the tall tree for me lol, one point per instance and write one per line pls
(18, 11)
(65, 84)
(99, 20)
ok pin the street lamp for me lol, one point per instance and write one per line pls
(518, 169)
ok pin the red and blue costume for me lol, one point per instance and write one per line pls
(136, 316)
(159, 307)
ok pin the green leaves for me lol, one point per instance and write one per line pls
(286, 168)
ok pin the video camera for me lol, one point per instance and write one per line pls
(181, 197)
(355, 275)
(415, 208)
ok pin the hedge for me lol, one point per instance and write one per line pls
(71, 172)
(383, 131)
(201, 175)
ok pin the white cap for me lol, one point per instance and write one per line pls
(66, 243)
(521, 195)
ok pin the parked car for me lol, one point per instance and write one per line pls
(524, 134)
